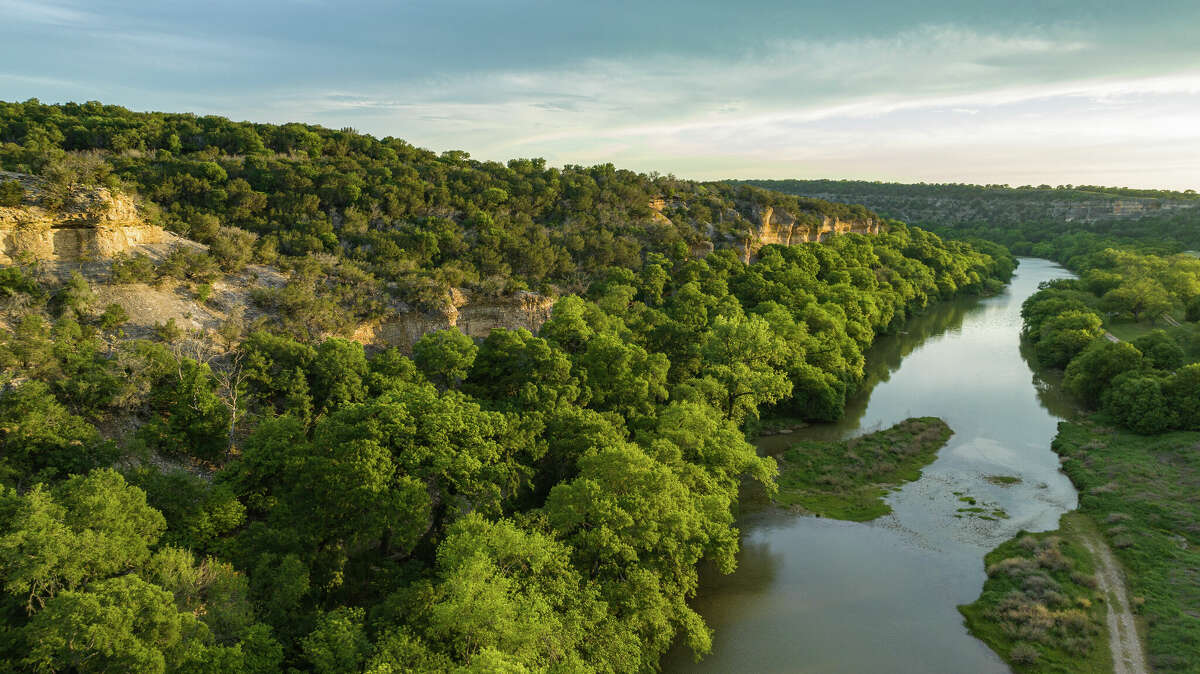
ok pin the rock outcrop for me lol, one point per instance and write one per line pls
(474, 317)
(92, 223)
(777, 226)
(764, 225)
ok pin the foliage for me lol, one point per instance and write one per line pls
(12, 193)
(530, 502)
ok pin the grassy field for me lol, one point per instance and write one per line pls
(1144, 492)
(1040, 609)
(1128, 330)
(847, 480)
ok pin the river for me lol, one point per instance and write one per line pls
(819, 595)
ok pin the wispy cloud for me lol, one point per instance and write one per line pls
(43, 12)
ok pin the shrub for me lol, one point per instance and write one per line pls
(1023, 654)
(11, 193)
(114, 315)
(136, 269)
(169, 331)
(232, 248)
(204, 292)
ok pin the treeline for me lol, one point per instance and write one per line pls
(404, 223)
(1148, 384)
(967, 190)
(526, 503)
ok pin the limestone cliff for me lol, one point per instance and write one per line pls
(777, 226)
(474, 317)
(92, 223)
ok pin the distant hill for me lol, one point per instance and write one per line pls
(1118, 211)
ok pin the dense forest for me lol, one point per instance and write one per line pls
(278, 498)
(389, 220)
(1148, 382)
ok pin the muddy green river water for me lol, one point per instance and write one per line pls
(816, 595)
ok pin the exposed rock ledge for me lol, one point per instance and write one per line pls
(770, 225)
(777, 226)
(475, 317)
(93, 224)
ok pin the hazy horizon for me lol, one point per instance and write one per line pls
(892, 91)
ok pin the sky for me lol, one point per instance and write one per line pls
(1018, 92)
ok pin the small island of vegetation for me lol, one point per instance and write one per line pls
(847, 480)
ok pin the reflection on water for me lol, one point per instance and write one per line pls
(814, 595)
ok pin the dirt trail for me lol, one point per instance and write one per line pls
(1127, 654)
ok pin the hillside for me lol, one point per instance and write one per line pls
(202, 468)
(1018, 214)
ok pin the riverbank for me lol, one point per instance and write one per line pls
(848, 480)
(839, 597)
(1044, 607)
(1141, 491)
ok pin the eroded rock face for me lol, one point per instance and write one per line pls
(474, 317)
(777, 226)
(92, 224)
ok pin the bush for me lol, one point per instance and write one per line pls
(1023, 654)
(169, 331)
(114, 315)
(11, 193)
(136, 269)
(232, 248)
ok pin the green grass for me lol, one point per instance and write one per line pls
(1039, 608)
(1128, 331)
(847, 480)
(1003, 480)
(1143, 492)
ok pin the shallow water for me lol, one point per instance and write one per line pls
(816, 595)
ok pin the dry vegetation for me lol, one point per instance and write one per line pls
(1040, 608)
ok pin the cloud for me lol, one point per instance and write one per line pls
(777, 85)
(43, 12)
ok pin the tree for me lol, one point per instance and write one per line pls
(622, 377)
(339, 642)
(11, 193)
(1138, 298)
(121, 624)
(339, 374)
(740, 355)
(41, 440)
(515, 369)
(1093, 370)
(634, 527)
(193, 420)
(1160, 350)
(86, 528)
(1062, 337)
(445, 356)
(514, 592)
(1193, 310)
(1182, 391)
(1136, 401)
